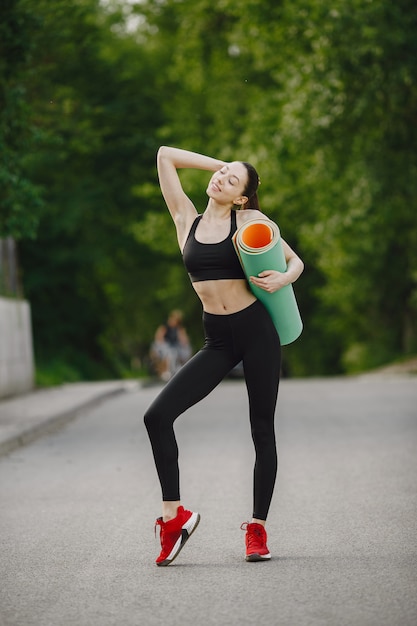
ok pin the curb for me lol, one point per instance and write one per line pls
(57, 421)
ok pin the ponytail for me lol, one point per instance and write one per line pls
(251, 188)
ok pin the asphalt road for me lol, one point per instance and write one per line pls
(77, 509)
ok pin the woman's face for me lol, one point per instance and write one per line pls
(226, 186)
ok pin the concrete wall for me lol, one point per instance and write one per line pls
(16, 350)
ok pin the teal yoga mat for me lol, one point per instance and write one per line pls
(258, 245)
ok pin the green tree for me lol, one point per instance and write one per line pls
(20, 198)
(86, 275)
(358, 78)
(321, 99)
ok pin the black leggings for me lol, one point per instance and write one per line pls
(249, 336)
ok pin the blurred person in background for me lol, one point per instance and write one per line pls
(171, 347)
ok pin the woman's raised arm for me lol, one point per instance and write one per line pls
(169, 160)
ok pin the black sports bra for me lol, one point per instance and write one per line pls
(211, 261)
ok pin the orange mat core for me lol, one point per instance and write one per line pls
(257, 235)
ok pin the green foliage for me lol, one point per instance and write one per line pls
(323, 99)
(56, 372)
(320, 98)
(84, 274)
(20, 197)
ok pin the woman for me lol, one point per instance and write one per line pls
(237, 328)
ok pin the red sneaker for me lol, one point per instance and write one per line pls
(175, 533)
(255, 539)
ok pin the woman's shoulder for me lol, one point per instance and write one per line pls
(250, 214)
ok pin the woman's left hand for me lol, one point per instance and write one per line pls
(270, 280)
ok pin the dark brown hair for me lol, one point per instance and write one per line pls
(251, 188)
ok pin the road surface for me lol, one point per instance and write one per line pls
(78, 509)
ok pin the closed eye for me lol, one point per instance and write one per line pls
(233, 179)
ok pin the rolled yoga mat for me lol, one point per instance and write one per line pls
(258, 245)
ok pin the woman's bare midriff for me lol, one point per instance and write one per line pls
(223, 297)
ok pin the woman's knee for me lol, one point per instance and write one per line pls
(152, 419)
(158, 418)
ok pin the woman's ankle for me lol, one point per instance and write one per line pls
(170, 510)
(262, 522)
